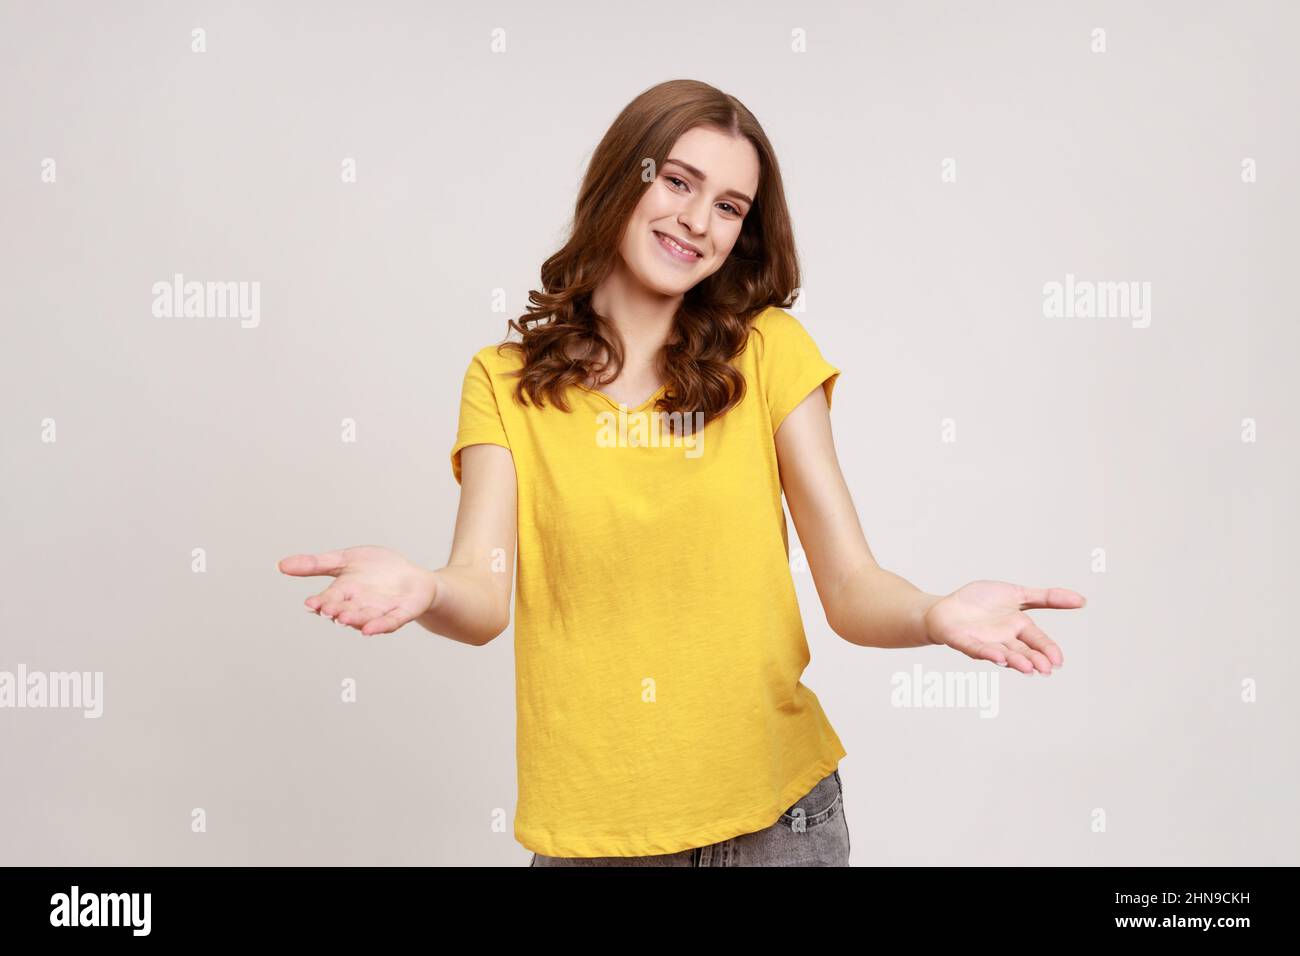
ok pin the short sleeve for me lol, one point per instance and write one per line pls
(792, 365)
(480, 417)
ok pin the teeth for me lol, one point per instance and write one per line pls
(678, 247)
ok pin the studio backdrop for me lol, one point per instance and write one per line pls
(1050, 246)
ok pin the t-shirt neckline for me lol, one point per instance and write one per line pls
(595, 391)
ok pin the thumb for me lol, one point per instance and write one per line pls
(327, 562)
(1050, 598)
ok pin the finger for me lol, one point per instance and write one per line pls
(305, 565)
(1033, 635)
(980, 650)
(335, 603)
(1050, 597)
(359, 617)
(992, 653)
(317, 601)
(387, 622)
(1035, 657)
(1019, 662)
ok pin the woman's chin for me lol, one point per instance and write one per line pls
(662, 283)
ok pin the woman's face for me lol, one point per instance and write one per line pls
(702, 194)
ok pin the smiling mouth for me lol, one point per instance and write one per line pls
(675, 250)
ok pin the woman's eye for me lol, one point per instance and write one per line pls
(674, 180)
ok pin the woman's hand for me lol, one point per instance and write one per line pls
(375, 590)
(986, 620)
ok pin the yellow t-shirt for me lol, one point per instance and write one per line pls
(658, 641)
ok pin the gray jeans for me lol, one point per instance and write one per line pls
(813, 832)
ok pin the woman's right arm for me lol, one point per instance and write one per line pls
(471, 602)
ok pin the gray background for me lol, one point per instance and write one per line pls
(1073, 434)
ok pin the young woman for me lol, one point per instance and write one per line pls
(636, 442)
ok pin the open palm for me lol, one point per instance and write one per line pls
(986, 620)
(375, 589)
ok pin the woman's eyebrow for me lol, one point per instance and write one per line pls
(702, 178)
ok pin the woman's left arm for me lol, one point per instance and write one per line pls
(872, 607)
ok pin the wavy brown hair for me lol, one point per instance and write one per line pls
(565, 341)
